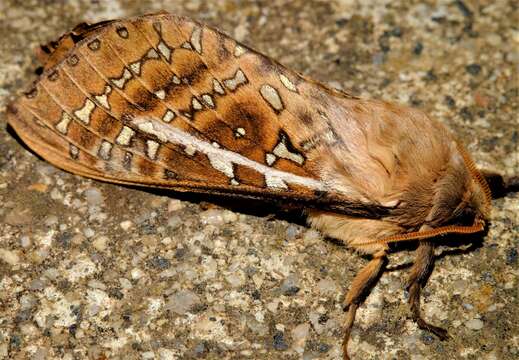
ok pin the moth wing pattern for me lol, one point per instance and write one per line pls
(164, 101)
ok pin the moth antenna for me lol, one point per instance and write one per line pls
(452, 229)
(471, 166)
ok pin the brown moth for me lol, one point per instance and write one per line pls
(164, 101)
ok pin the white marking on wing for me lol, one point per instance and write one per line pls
(282, 151)
(161, 94)
(271, 96)
(217, 87)
(125, 136)
(239, 50)
(196, 37)
(221, 164)
(136, 67)
(62, 126)
(151, 149)
(164, 50)
(287, 83)
(176, 80)
(168, 116)
(105, 150)
(190, 150)
(120, 82)
(270, 158)
(152, 54)
(186, 45)
(103, 99)
(85, 112)
(275, 182)
(208, 100)
(196, 104)
(239, 132)
(74, 151)
(237, 80)
(276, 178)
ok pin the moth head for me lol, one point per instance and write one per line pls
(476, 203)
(461, 197)
(460, 204)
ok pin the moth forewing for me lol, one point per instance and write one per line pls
(164, 101)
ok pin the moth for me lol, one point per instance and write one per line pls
(164, 101)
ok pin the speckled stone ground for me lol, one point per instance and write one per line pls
(91, 270)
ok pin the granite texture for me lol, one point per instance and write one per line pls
(92, 270)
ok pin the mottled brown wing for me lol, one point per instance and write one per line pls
(163, 101)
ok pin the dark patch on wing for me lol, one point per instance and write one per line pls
(172, 89)
(85, 137)
(169, 175)
(127, 160)
(144, 100)
(194, 74)
(31, 93)
(53, 76)
(107, 125)
(248, 176)
(147, 168)
(265, 65)
(306, 117)
(242, 116)
(223, 53)
(127, 118)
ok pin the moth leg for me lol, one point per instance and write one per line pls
(360, 286)
(420, 272)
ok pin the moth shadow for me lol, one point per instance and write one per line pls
(271, 210)
(9, 129)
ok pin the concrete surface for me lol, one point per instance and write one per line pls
(91, 270)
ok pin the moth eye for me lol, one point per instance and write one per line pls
(464, 215)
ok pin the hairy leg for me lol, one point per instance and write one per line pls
(359, 288)
(420, 272)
